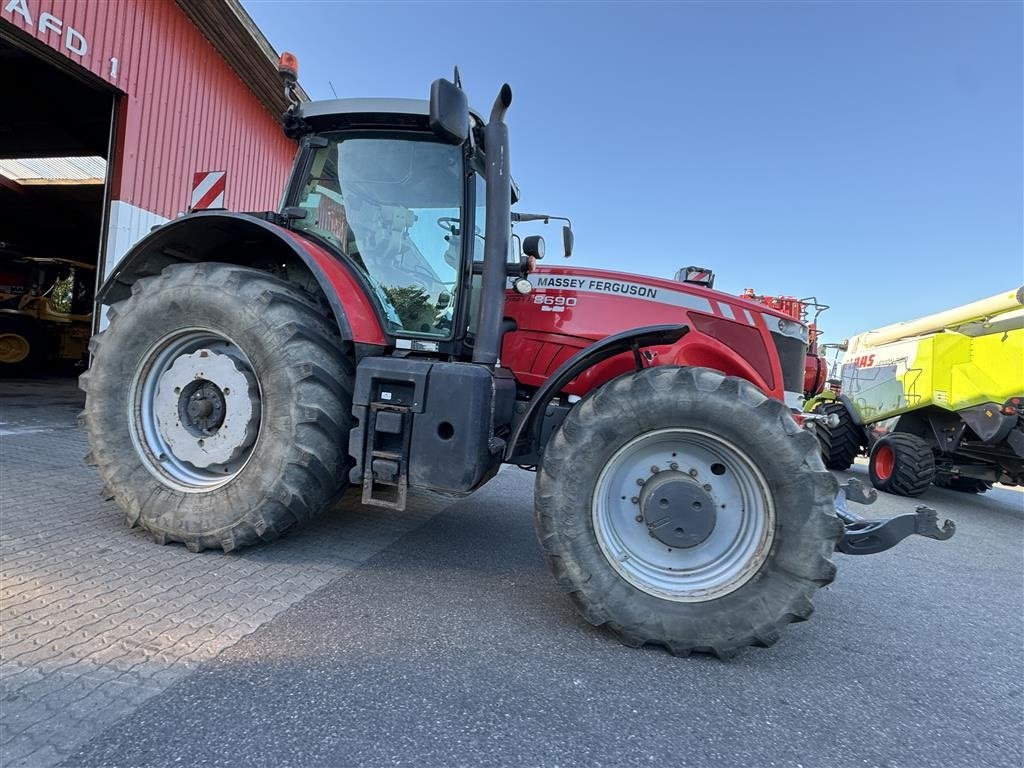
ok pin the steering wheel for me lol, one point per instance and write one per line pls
(449, 224)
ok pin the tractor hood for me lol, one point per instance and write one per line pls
(622, 299)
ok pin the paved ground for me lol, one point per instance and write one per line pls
(436, 637)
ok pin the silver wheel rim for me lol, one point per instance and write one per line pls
(194, 452)
(741, 533)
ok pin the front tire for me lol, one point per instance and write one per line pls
(651, 562)
(218, 406)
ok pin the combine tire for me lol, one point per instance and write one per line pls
(218, 406)
(839, 444)
(683, 508)
(901, 464)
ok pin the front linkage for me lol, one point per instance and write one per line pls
(864, 536)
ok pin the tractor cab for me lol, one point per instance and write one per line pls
(398, 188)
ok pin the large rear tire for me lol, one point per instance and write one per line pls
(839, 444)
(683, 508)
(902, 464)
(218, 406)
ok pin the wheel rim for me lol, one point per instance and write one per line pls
(884, 460)
(196, 410)
(14, 348)
(652, 519)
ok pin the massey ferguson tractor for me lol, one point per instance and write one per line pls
(375, 331)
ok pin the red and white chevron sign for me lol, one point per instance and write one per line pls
(208, 189)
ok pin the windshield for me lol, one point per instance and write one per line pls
(394, 207)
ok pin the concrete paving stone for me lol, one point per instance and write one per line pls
(95, 617)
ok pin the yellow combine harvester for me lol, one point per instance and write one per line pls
(934, 400)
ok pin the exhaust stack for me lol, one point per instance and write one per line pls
(499, 208)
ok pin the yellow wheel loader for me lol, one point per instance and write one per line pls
(45, 311)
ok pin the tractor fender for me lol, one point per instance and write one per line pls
(525, 434)
(247, 240)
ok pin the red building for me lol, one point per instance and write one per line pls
(149, 92)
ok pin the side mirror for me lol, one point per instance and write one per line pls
(533, 245)
(449, 111)
(567, 240)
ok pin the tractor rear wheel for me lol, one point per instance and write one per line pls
(218, 406)
(839, 444)
(902, 464)
(683, 508)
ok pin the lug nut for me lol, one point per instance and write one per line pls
(635, 499)
(707, 486)
(640, 481)
(673, 465)
(655, 470)
(693, 472)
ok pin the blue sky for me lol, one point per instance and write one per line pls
(866, 153)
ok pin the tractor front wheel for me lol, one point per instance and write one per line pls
(683, 508)
(218, 406)
(901, 464)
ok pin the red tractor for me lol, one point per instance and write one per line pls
(374, 331)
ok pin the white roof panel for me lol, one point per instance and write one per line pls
(55, 170)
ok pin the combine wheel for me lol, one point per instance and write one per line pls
(683, 508)
(902, 464)
(839, 444)
(218, 406)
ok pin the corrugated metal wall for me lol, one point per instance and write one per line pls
(184, 109)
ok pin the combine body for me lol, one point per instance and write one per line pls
(953, 381)
(952, 361)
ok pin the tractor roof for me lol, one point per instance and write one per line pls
(317, 112)
(337, 114)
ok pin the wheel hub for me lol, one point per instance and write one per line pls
(201, 407)
(207, 408)
(678, 512)
(652, 486)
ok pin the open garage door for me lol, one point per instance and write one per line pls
(55, 136)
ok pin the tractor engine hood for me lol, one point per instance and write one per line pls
(571, 308)
(652, 300)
